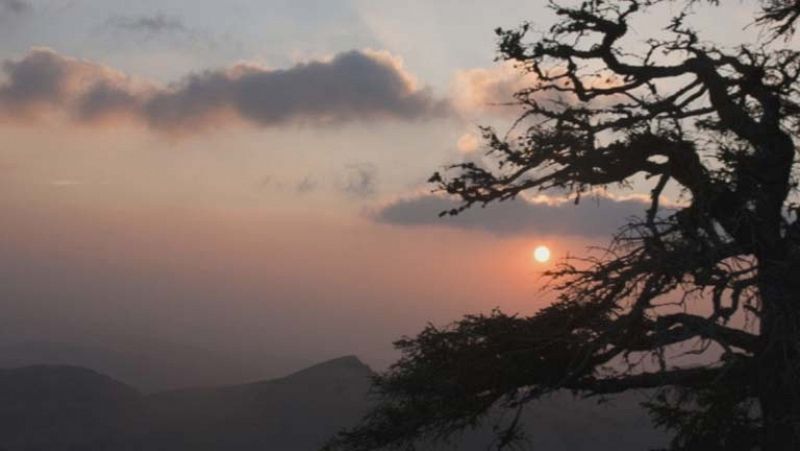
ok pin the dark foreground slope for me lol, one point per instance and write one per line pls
(298, 412)
(61, 408)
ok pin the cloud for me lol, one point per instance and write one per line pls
(14, 6)
(592, 217)
(150, 25)
(44, 79)
(360, 180)
(490, 91)
(468, 142)
(486, 90)
(351, 86)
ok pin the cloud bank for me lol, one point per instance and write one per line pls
(591, 217)
(351, 86)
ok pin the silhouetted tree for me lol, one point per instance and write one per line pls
(718, 273)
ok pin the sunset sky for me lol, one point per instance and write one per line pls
(248, 176)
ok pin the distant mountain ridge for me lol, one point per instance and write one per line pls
(68, 408)
(149, 365)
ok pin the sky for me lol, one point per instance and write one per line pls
(248, 177)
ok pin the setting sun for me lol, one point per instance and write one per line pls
(541, 254)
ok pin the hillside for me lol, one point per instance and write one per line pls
(297, 412)
(64, 408)
(50, 408)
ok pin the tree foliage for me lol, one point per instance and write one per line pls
(719, 124)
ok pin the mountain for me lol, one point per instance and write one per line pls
(67, 408)
(297, 412)
(148, 364)
(564, 422)
(64, 407)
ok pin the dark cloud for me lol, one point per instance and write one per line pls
(352, 86)
(37, 79)
(591, 217)
(14, 6)
(103, 99)
(360, 180)
(150, 25)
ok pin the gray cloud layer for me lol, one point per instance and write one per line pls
(351, 86)
(14, 6)
(151, 24)
(520, 217)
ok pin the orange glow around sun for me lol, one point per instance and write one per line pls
(541, 254)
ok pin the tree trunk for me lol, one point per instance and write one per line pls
(779, 359)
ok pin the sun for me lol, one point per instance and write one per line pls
(541, 254)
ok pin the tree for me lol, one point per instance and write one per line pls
(719, 272)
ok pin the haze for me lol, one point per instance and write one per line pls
(245, 180)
